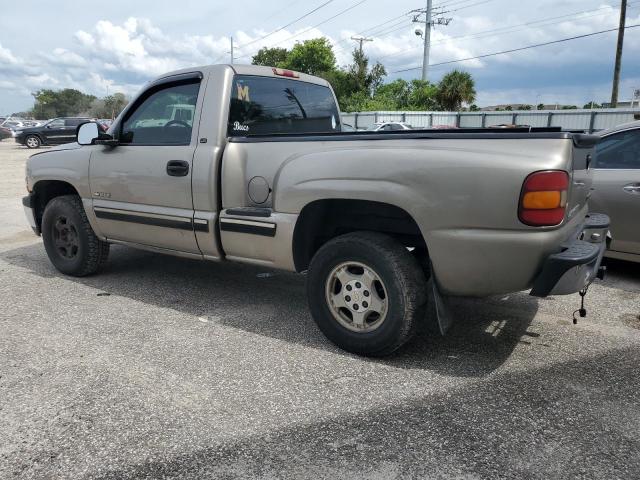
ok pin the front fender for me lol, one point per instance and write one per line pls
(69, 165)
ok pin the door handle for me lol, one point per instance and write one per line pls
(177, 168)
(632, 188)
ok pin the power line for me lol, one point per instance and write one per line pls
(454, 3)
(368, 30)
(518, 49)
(466, 6)
(507, 29)
(287, 25)
(287, 8)
(342, 12)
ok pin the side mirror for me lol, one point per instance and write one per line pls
(87, 133)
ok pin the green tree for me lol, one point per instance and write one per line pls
(473, 108)
(569, 107)
(508, 108)
(356, 84)
(525, 107)
(114, 104)
(540, 106)
(60, 103)
(271, 57)
(394, 95)
(403, 95)
(423, 95)
(456, 88)
(313, 56)
(592, 104)
(108, 107)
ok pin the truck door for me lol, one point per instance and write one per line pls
(141, 188)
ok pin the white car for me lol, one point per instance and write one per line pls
(388, 126)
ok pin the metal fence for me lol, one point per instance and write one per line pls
(587, 120)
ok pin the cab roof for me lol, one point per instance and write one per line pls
(246, 70)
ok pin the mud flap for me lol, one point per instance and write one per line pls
(443, 312)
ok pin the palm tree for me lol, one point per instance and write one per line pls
(454, 89)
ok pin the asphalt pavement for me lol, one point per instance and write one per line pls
(162, 367)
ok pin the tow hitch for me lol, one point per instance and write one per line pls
(582, 311)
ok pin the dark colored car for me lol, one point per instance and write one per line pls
(54, 132)
(5, 133)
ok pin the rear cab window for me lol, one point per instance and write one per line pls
(265, 105)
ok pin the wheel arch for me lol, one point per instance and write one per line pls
(35, 134)
(322, 220)
(46, 190)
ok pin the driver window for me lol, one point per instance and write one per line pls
(619, 151)
(165, 117)
(58, 122)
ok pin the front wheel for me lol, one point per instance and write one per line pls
(366, 292)
(32, 141)
(69, 240)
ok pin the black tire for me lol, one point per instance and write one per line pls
(77, 252)
(32, 141)
(405, 288)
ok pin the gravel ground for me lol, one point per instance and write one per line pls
(169, 368)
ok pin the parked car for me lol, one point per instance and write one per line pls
(12, 124)
(54, 132)
(388, 126)
(5, 133)
(264, 175)
(616, 192)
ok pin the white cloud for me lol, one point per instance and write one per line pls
(121, 56)
(64, 57)
(6, 56)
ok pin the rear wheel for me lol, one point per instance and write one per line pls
(69, 240)
(32, 141)
(366, 292)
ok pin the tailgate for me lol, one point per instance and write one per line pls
(583, 155)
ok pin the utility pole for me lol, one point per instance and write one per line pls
(427, 41)
(429, 22)
(360, 40)
(232, 50)
(616, 68)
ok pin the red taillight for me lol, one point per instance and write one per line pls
(285, 73)
(544, 198)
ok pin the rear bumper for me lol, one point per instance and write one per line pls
(576, 266)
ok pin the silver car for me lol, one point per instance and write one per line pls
(617, 188)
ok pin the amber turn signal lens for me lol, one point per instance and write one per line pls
(541, 200)
(544, 198)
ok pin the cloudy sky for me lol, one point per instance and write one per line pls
(118, 45)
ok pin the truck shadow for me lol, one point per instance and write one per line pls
(432, 437)
(272, 303)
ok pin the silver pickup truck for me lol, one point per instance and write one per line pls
(260, 172)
